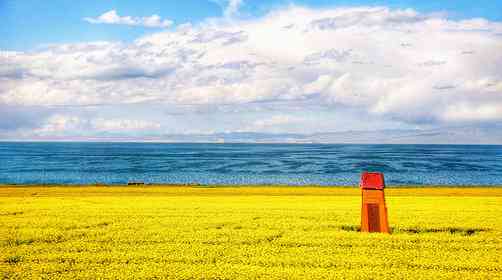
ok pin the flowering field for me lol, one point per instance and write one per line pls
(246, 232)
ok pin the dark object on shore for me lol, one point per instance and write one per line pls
(135, 183)
(373, 210)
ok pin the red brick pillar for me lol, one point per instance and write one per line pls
(373, 211)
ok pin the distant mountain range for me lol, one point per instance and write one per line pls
(488, 134)
(458, 135)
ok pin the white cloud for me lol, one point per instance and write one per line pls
(383, 64)
(58, 124)
(119, 125)
(230, 7)
(277, 123)
(111, 17)
(469, 111)
(75, 125)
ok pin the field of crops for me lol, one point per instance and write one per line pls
(246, 232)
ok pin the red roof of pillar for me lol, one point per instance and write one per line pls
(372, 181)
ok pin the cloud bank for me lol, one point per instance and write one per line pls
(111, 17)
(318, 68)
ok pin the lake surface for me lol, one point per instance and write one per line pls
(292, 164)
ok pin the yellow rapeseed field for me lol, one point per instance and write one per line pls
(246, 233)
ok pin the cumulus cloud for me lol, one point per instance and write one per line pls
(111, 17)
(385, 64)
(72, 125)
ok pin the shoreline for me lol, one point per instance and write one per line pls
(237, 190)
(146, 185)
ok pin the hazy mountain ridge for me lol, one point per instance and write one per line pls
(454, 135)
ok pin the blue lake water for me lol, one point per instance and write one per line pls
(292, 164)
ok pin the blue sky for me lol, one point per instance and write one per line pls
(27, 24)
(90, 69)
